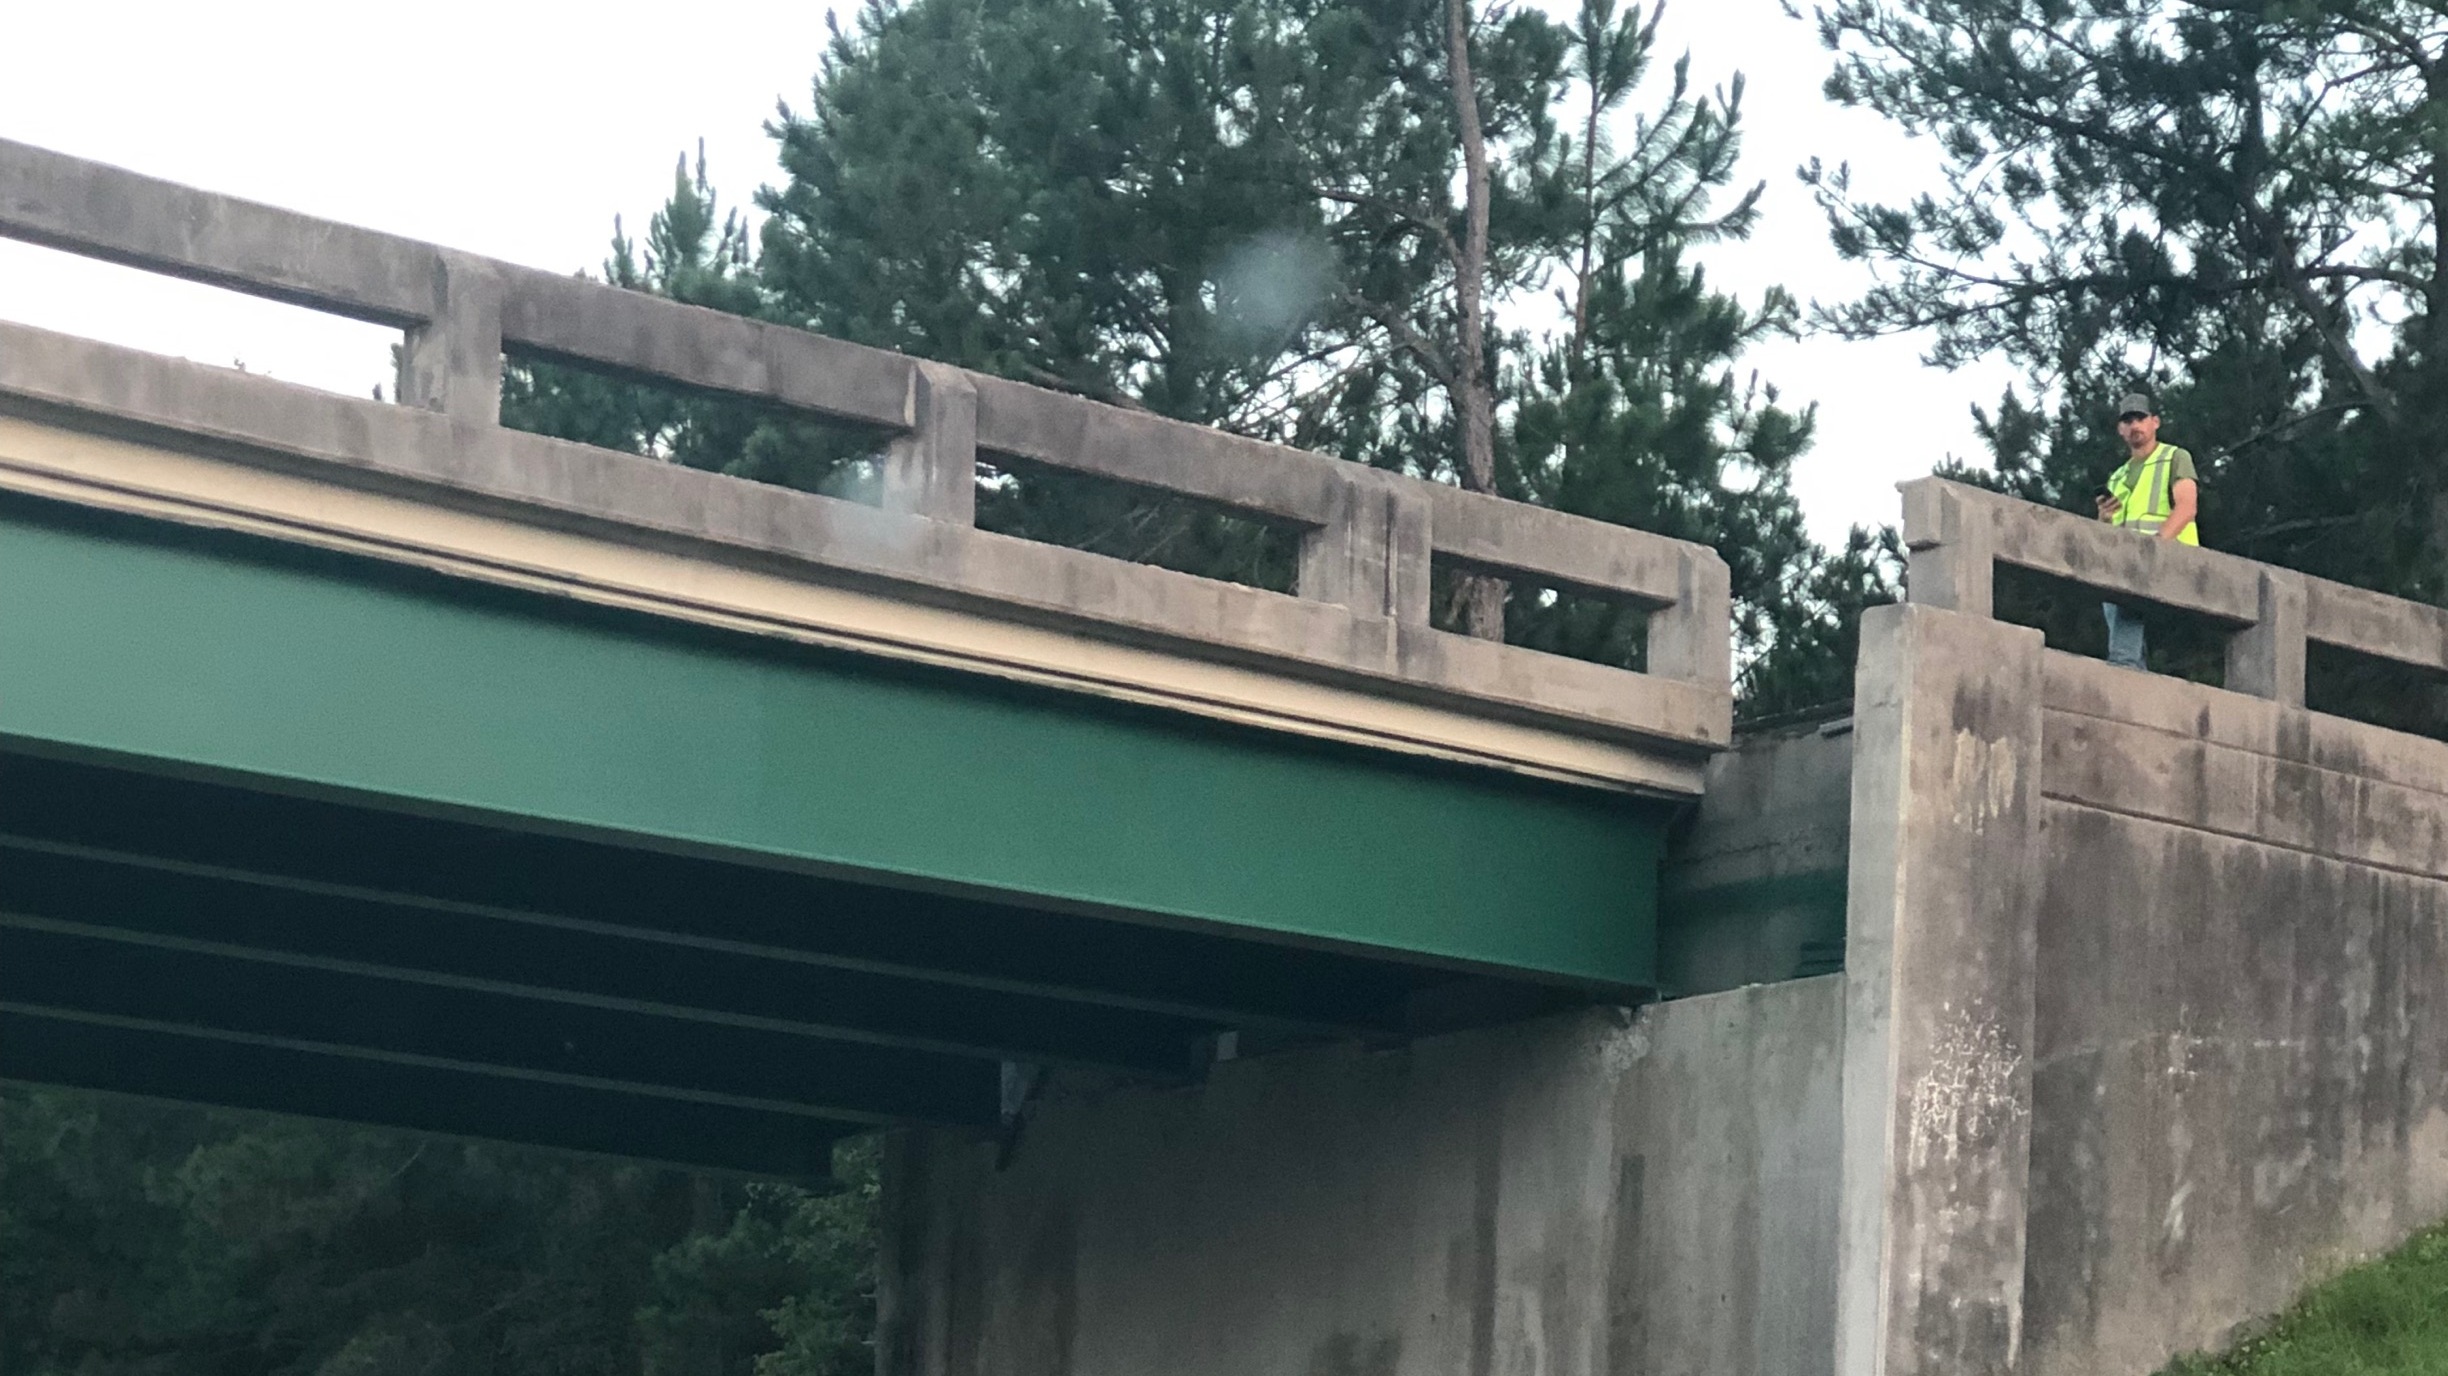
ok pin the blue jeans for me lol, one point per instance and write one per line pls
(2124, 635)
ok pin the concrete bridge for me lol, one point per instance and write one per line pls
(375, 761)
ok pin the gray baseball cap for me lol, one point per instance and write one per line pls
(2135, 404)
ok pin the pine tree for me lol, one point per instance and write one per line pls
(1636, 411)
(2238, 207)
(1279, 248)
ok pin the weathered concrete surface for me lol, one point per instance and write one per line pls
(1754, 891)
(2143, 1033)
(453, 363)
(1369, 537)
(2242, 1044)
(1958, 534)
(531, 483)
(1373, 556)
(2266, 659)
(1580, 1196)
(932, 470)
(1944, 896)
(457, 335)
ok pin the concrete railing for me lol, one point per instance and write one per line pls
(1957, 535)
(1368, 537)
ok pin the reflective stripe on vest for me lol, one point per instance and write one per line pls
(2146, 504)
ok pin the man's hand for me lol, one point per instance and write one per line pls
(2107, 505)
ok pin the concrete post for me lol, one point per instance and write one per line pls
(1944, 899)
(1372, 555)
(2266, 659)
(1950, 545)
(1690, 640)
(932, 470)
(453, 362)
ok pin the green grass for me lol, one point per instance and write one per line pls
(2386, 1318)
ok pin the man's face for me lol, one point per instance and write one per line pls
(2140, 432)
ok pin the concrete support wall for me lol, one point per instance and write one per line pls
(1754, 888)
(1598, 1193)
(1938, 994)
(2138, 1033)
(2242, 1022)
(2143, 1030)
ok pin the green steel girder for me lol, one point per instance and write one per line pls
(326, 879)
(184, 650)
(164, 1062)
(585, 965)
(92, 972)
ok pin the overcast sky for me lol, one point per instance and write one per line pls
(518, 128)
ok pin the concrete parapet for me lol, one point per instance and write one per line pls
(1950, 545)
(1373, 557)
(1957, 535)
(1948, 524)
(1593, 1194)
(631, 334)
(452, 363)
(1369, 537)
(224, 448)
(2266, 658)
(2376, 624)
(1687, 639)
(69, 203)
(931, 471)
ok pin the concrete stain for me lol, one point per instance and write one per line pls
(1981, 777)
(1967, 1096)
(1627, 1286)
(1621, 1050)
(1487, 1183)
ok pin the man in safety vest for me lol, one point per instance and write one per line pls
(2154, 493)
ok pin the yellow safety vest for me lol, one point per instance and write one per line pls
(2146, 498)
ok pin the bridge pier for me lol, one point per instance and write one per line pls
(1596, 1192)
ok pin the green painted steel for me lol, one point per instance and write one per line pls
(157, 643)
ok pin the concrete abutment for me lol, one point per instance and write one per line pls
(1578, 1194)
(2137, 1035)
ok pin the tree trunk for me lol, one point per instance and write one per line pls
(2435, 338)
(1483, 598)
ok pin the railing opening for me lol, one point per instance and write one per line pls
(694, 427)
(2212, 617)
(2366, 688)
(2180, 643)
(1142, 525)
(1552, 618)
(133, 308)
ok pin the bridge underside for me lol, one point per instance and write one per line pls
(299, 831)
(197, 940)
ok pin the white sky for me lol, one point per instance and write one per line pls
(518, 128)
